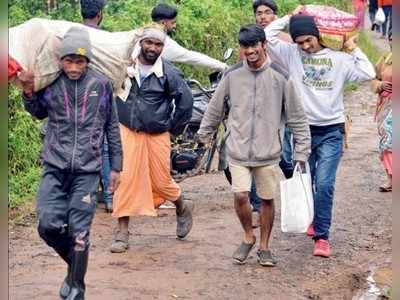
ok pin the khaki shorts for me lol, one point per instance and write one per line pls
(266, 178)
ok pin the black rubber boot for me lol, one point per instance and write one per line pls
(78, 272)
(66, 285)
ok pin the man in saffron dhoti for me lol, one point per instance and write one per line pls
(155, 102)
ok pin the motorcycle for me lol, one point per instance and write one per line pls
(188, 157)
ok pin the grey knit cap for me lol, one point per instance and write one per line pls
(76, 41)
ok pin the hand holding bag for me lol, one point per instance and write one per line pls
(297, 204)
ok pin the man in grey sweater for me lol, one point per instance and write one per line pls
(262, 98)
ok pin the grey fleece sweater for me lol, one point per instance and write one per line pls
(261, 101)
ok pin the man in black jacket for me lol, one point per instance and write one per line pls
(156, 101)
(81, 112)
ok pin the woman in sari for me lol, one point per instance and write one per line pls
(382, 85)
(359, 11)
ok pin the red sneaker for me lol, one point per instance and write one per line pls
(322, 248)
(310, 230)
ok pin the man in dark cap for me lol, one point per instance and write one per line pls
(92, 16)
(320, 75)
(81, 111)
(166, 16)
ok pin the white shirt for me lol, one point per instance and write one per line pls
(176, 53)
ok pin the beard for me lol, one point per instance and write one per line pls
(171, 32)
(149, 56)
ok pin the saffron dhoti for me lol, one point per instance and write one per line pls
(145, 179)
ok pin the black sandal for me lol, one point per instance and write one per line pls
(241, 253)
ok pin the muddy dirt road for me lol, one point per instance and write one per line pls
(158, 266)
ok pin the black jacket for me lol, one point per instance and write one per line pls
(159, 104)
(80, 113)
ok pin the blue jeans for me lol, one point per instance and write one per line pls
(326, 152)
(387, 9)
(286, 163)
(105, 174)
(372, 13)
(255, 201)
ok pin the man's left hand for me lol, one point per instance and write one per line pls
(298, 9)
(351, 44)
(205, 140)
(114, 181)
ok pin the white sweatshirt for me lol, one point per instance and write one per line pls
(176, 53)
(319, 77)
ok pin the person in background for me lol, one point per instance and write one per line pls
(372, 8)
(359, 10)
(92, 12)
(265, 12)
(166, 16)
(386, 5)
(92, 16)
(382, 85)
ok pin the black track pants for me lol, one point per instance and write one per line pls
(65, 205)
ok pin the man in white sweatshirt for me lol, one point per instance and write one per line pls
(320, 75)
(166, 15)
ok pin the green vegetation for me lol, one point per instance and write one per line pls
(208, 26)
(369, 48)
(23, 151)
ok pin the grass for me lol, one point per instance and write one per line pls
(372, 53)
(368, 47)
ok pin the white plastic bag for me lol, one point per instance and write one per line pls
(297, 204)
(380, 17)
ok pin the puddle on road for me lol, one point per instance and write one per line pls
(379, 283)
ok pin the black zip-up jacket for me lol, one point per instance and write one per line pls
(159, 104)
(80, 113)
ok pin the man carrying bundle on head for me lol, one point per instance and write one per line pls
(320, 75)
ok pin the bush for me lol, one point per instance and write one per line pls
(23, 151)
